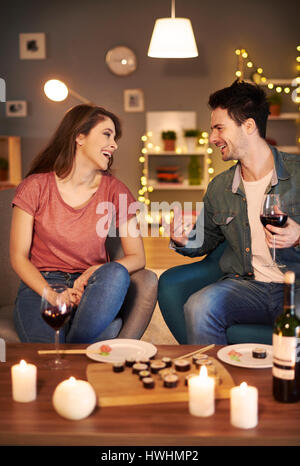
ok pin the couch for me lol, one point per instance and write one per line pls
(137, 308)
(178, 283)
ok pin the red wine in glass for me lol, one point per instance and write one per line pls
(56, 310)
(272, 214)
(55, 318)
(277, 220)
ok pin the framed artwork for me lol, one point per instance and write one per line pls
(133, 100)
(16, 108)
(32, 46)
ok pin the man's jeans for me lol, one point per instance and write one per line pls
(94, 319)
(210, 311)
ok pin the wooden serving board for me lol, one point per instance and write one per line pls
(126, 388)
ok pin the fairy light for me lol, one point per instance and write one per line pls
(259, 78)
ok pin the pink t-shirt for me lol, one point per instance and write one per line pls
(68, 239)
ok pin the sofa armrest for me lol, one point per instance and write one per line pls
(139, 304)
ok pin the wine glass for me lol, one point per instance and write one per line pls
(272, 214)
(56, 310)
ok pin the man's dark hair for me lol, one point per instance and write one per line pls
(243, 101)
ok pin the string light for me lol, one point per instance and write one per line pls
(258, 77)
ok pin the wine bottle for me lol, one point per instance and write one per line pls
(286, 338)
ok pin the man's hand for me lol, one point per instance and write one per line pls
(181, 226)
(285, 237)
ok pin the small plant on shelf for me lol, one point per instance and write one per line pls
(274, 101)
(191, 138)
(169, 138)
(191, 133)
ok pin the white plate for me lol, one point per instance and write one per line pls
(241, 355)
(119, 349)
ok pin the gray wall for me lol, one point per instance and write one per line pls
(80, 32)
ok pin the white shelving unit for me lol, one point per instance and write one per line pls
(292, 116)
(150, 167)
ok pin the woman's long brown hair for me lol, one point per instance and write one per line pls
(59, 154)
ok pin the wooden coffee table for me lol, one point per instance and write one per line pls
(37, 423)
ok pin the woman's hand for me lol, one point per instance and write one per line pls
(81, 282)
(71, 296)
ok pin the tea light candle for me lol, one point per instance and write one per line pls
(244, 406)
(202, 394)
(23, 377)
(74, 399)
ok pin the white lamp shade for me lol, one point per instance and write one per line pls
(56, 90)
(173, 38)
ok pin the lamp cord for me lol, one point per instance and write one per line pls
(173, 9)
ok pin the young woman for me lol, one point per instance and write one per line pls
(62, 211)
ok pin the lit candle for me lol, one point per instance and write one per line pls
(23, 378)
(74, 399)
(202, 394)
(244, 406)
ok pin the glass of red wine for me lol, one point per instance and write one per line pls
(56, 310)
(272, 214)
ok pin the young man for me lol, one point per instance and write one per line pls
(249, 292)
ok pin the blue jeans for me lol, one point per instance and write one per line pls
(210, 311)
(96, 317)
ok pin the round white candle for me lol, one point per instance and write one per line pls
(202, 394)
(74, 399)
(23, 377)
(244, 406)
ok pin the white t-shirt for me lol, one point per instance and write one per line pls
(261, 255)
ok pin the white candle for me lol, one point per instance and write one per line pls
(244, 406)
(23, 377)
(74, 399)
(202, 394)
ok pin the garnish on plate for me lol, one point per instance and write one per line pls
(234, 355)
(105, 350)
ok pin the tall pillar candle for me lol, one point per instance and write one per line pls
(23, 378)
(244, 406)
(202, 394)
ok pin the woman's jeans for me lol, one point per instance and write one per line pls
(210, 311)
(96, 317)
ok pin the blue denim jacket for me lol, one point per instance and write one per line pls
(226, 217)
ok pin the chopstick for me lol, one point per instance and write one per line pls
(201, 350)
(68, 351)
(84, 351)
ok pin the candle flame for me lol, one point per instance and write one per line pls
(23, 364)
(203, 373)
(243, 385)
(72, 379)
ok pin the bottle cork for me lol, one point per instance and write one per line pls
(289, 277)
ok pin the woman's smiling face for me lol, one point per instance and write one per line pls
(99, 144)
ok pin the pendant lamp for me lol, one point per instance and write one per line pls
(173, 38)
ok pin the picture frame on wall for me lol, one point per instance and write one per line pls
(32, 46)
(133, 100)
(16, 108)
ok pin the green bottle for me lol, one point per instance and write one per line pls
(286, 345)
(194, 170)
